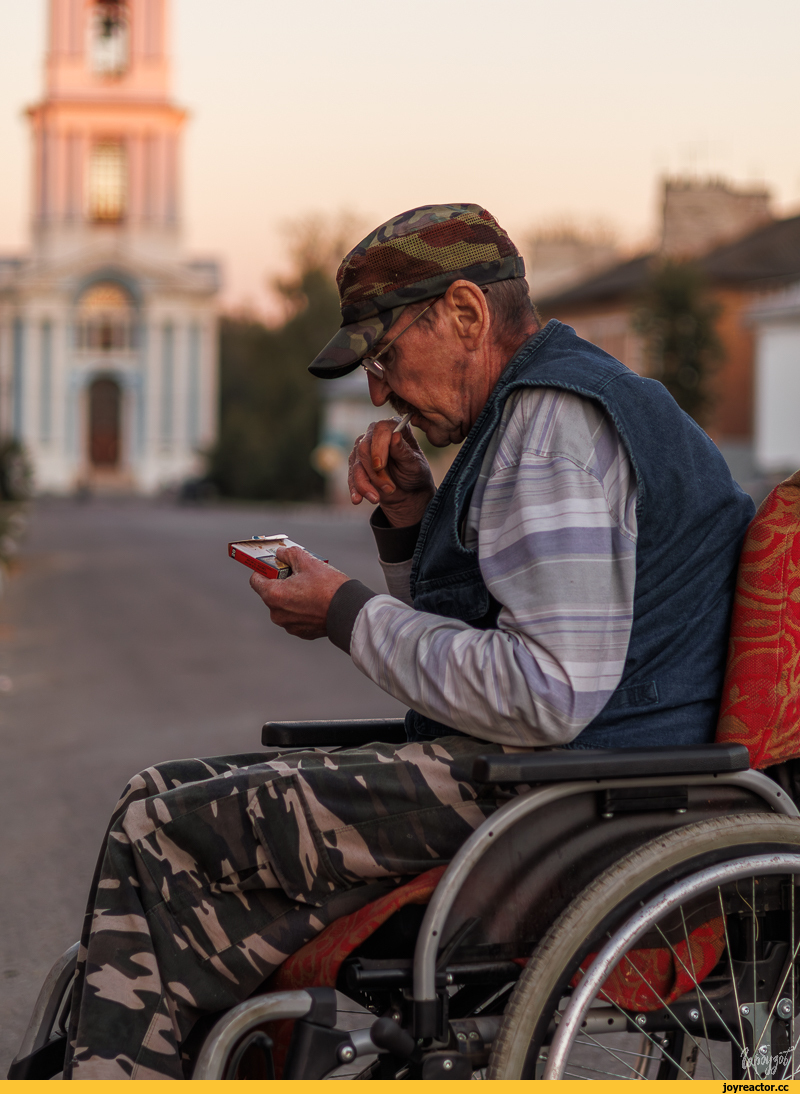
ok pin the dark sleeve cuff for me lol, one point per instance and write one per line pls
(348, 600)
(394, 544)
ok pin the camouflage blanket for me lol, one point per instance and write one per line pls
(213, 871)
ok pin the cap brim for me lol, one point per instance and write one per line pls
(352, 342)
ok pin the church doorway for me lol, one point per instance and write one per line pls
(105, 399)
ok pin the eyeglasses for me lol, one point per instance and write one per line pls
(372, 365)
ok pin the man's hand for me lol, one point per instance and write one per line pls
(300, 602)
(390, 468)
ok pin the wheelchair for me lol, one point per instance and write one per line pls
(625, 913)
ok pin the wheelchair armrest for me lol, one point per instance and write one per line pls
(343, 732)
(566, 765)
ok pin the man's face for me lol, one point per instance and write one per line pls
(428, 376)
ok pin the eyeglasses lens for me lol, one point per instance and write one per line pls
(374, 367)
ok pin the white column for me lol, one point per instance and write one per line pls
(46, 338)
(166, 386)
(19, 350)
(194, 348)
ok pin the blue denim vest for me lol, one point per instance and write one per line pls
(691, 519)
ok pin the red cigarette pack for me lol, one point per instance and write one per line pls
(258, 553)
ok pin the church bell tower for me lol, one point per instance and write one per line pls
(107, 137)
(107, 330)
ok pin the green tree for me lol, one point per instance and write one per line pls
(269, 403)
(677, 319)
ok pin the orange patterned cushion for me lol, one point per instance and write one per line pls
(317, 963)
(649, 979)
(761, 693)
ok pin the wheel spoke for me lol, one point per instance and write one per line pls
(700, 994)
(754, 920)
(791, 1026)
(781, 986)
(733, 971)
(644, 1034)
(593, 1041)
(596, 1070)
(621, 1051)
(701, 991)
(667, 1009)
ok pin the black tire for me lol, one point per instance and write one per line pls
(603, 906)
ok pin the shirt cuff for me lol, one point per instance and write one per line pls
(348, 600)
(394, 544)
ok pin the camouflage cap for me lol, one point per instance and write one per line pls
(413, 256)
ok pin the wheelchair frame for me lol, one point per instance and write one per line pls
(565, 774)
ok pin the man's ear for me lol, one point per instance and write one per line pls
(468, 312)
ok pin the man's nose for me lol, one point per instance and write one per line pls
(379, 390)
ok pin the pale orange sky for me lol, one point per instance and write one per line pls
(539, 111)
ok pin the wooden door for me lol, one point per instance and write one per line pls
(104, 423)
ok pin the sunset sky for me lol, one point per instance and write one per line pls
(540, 111)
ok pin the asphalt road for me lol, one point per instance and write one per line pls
(127, 636)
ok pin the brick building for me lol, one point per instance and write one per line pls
(747, 257)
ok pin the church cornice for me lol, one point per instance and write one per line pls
(70, 277)
(122, 106)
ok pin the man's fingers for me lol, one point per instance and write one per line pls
(373, 455)
(262, 585)
(381, 440)
(361, 485)
(383, 462)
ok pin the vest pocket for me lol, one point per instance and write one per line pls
(634, 695)
(463, 597)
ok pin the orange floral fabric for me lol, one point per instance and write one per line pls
(649, 979)
(317, 963)
(761, 693)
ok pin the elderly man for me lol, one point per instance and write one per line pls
(568, 584)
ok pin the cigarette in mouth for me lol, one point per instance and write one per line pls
(402, 424)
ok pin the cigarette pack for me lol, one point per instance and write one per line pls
(258, 553)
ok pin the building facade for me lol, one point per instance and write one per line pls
(775, 321)
(746, 257)
(108, 347)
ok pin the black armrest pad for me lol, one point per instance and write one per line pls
(565, 765)
(345, 733)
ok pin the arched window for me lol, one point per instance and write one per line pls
(108, 182)
(106, 319)
(110, 38)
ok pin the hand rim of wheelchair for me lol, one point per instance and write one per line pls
(626, 937)
(486, 834)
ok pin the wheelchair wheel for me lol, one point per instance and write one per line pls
(708, 990)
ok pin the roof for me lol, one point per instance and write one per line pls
(771, 253)
(617, 281)
(768, 256)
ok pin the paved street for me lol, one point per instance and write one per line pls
(127, 637)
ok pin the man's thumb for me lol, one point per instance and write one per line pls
(292, 556)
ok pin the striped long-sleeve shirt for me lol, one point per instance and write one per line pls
(553, 516)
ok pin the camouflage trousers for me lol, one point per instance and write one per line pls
(214, 871)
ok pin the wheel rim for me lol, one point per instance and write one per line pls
(680, 1036)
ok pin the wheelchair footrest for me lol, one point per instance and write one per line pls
(44, 1063)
